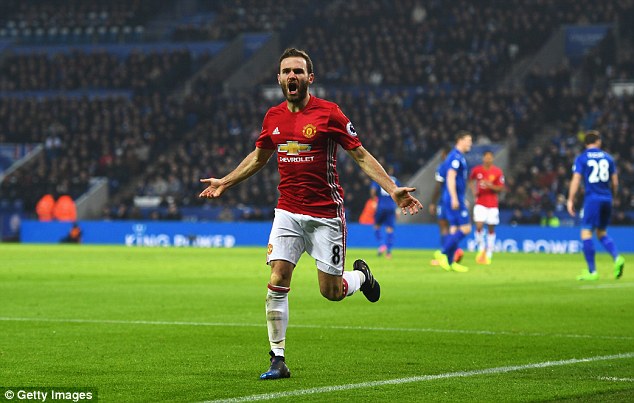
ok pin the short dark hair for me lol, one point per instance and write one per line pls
(485, 152)
(293, 52)
(592, 136)
(462, 134)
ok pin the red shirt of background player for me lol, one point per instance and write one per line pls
(485, 196)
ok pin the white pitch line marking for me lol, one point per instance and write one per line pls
(399, 381)
(604, 286)
(299, 326)
(613, 379)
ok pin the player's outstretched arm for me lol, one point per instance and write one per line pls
(376, 172)
(251, 164)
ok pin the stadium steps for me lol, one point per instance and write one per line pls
(522, 158)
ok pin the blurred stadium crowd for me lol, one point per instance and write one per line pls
(409, 74)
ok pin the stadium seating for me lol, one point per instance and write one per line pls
(409, 74)
(76, 21)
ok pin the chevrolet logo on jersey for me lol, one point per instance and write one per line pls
(293, 148)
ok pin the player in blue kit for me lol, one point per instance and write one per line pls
(597, 170)
(385, 216)
(436, 210)
(453, 203)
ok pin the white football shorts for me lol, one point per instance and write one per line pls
(322, 238)
(487, 215)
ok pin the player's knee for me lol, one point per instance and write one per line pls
(280, 278)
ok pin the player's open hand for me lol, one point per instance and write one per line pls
(570, 206)
(214, 188)
(405, 201)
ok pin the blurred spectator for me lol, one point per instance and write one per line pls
(45, 207)
(65, 209)
(622, 218)
(173, 213)
(74, 235)
(550, 219)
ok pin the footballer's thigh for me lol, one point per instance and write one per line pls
(286, 241)
(325, 242)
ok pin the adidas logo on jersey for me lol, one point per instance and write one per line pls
(276, 131)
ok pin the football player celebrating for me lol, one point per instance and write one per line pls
(487, 181)
(306, 131)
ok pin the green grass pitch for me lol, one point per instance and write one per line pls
(188, 325)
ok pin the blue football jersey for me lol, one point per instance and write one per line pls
(596, 167)
(456, 161)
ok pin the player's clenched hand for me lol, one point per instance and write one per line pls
(214, 188)
(405, 201)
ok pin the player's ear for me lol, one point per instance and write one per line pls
(311, 78)
(279, 80)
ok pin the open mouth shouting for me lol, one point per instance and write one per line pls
(293, 88)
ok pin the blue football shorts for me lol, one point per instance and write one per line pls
(596, 214)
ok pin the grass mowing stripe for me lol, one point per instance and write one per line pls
(460, 374)
(362, 328)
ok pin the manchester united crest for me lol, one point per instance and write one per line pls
(270, 249)
(309, 131)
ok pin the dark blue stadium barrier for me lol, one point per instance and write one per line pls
(253, 42)
(124, 50)
(528, 239)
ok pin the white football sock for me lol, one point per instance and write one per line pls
(354, 279)
(277, 317)
(479, 240)
(490, 244)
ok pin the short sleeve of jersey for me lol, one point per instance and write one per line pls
(264, 140)
(500, 181)
(578, 166)
(454, 164)
(342, 130)
(612, 168)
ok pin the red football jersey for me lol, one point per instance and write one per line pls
(306, 144)
(487, 197)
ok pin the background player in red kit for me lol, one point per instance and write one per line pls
(487, 180)
(305, 131)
